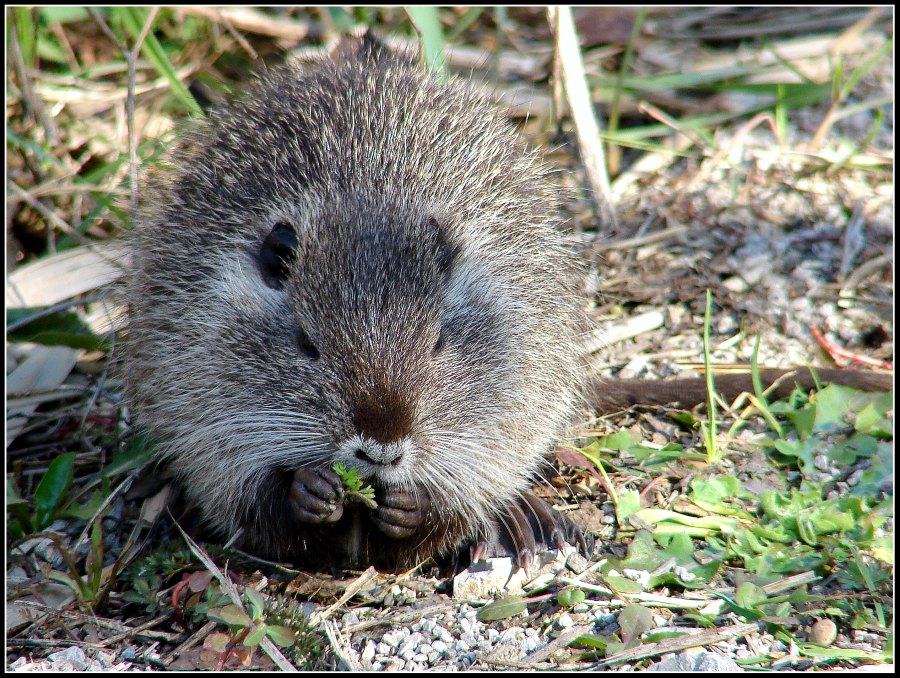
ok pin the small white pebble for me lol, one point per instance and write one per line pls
(392, 638)
(442, 633)
(683, 574)
(368, 653)
(642, 577)
(530, 645)
(565, 621)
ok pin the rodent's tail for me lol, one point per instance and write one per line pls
(607, 396)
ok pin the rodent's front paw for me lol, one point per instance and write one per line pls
(316, 495)
(400, 514)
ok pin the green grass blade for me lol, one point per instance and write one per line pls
(710, 430)
(25, 32)
(134, 18)
(464, 22)
(428, 25)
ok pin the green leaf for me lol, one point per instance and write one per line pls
(634, 620)
(138, 452)
(879, 475)
(350, 477)
(692, 525)
(749, 594)
(281, 635)
(569, 596)
(643, 553)
(678, 546)
(714, 490)
(832, 405)
(873, 419)
(56, 329)
(745, 612)
(629, 504)
(622, 440)
(803, 451)
(217, 642)
(86, 509)
(503, 608)
(593, 640)
(230, 614)
(257, 602)
(255, 637)
(707, 621)
(622, 584)
(53, 487)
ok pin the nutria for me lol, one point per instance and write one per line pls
(355, 264)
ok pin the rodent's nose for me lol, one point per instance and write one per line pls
(377, 454)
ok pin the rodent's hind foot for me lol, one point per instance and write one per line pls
(315, 496)
(527, 526)
(400, 514)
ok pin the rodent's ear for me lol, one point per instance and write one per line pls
(447, 250)
(276, 252)
(367, 48)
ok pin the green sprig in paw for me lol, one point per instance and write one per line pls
(353, 484)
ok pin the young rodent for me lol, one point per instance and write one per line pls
(355, 264)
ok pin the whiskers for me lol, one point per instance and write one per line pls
(228, 461)
(469, 473)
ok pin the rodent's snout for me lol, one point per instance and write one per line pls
(381, 443)
(374, 453)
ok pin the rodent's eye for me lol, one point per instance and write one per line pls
(306, 346)
(440, 343)
(276, 251)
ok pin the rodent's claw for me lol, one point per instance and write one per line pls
(522, 536)
(526, 527)
(400, 514)
(556, 529)
(316, 495)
